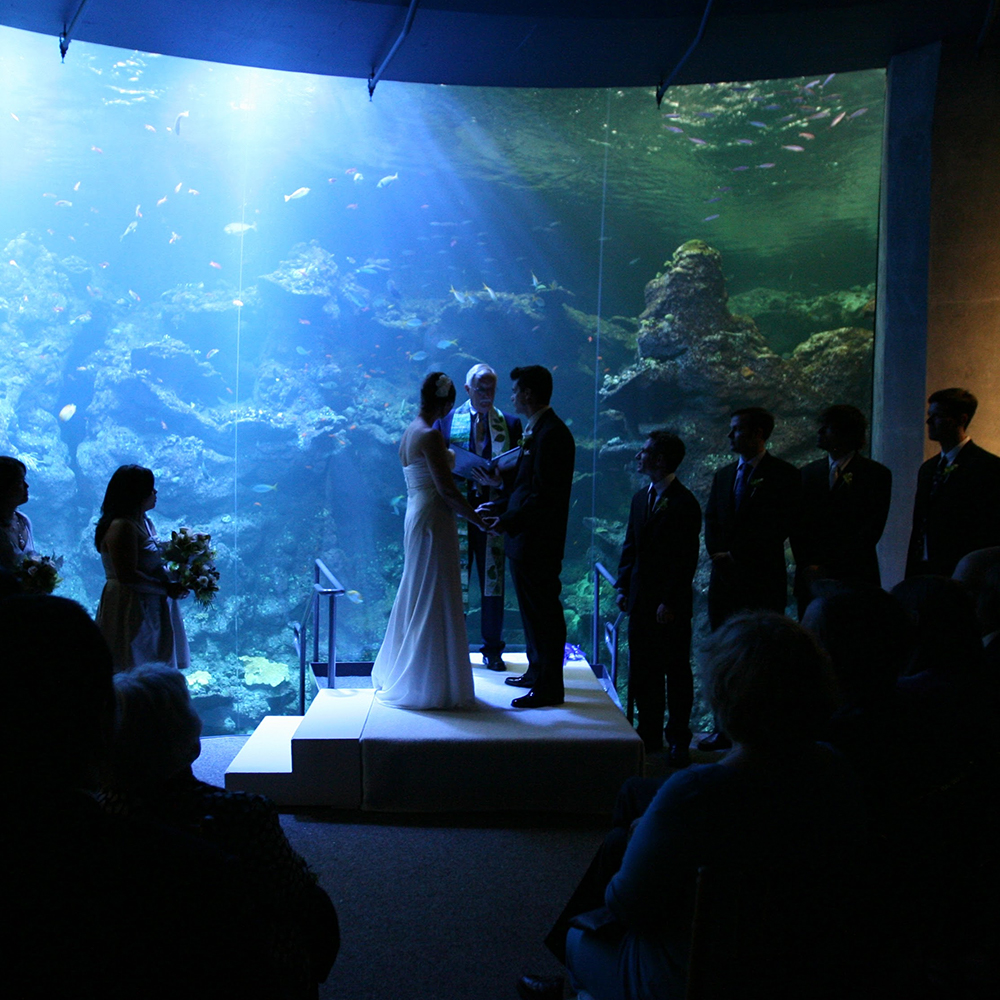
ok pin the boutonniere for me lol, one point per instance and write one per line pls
(948, 470)
(847, 478)
(754, 483)
(661, 504)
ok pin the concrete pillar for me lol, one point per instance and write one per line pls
(963, 328)
(901, 309)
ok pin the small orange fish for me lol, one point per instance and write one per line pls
(354, 205)
(177, 190)
(746, 372)
(97, 149)
(257, 503)
(807, 135)
(212, 263)
(161, 201)
(353, 427)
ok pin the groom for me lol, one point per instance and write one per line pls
(534, 518)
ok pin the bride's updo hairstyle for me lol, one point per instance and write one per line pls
(437, 390)
(127, 489)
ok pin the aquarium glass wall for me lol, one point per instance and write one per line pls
(239, 278)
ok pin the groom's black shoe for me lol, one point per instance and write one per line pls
(532, 700)
(519, 681)
(494, 662)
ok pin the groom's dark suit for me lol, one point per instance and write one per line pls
(957, 510)
(535, 520)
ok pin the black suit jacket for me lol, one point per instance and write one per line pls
(838, 529)
(660, 552)
(537, 510)
(755, 534)
(962, 515)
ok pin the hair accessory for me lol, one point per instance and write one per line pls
(444, 386)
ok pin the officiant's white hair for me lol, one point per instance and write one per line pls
(477, 371)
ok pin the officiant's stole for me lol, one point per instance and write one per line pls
(461, 435)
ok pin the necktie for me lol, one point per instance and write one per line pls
(939, 474)
(742, 482)
(650, 500)
(834, 475)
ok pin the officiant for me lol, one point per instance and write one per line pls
(479, 434)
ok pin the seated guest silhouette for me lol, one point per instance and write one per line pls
(780, 806)
(149, 777)
(957, 505)
(845, 503)
(97, 905)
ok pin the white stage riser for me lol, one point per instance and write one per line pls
(350, 752)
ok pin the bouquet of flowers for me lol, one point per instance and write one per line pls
(190, 558)
(38, 574)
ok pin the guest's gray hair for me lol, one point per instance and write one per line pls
(477, 372)
(768, 680)
(156, 730)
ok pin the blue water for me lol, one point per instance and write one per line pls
(129, 299)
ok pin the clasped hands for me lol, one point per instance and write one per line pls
(487, 512)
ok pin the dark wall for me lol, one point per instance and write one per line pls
(963, 337)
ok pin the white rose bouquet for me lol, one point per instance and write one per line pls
(189, 556)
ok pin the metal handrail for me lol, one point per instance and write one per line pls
(610, 631)
(331, 592)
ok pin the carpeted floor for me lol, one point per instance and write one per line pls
(432, 909)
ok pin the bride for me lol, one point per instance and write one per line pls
(424, 659)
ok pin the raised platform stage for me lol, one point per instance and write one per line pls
(351, 752)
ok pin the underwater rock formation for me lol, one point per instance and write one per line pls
(696, 361)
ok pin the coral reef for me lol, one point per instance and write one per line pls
(270, 415)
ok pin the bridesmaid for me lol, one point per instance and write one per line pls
(16, 539)
(138, 614)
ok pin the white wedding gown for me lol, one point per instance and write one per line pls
(424, 659)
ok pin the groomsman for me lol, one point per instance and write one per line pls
(845, 503)
(480, 427)
(534, 517)
(658, 561)
(957, 506)
(751, 511)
